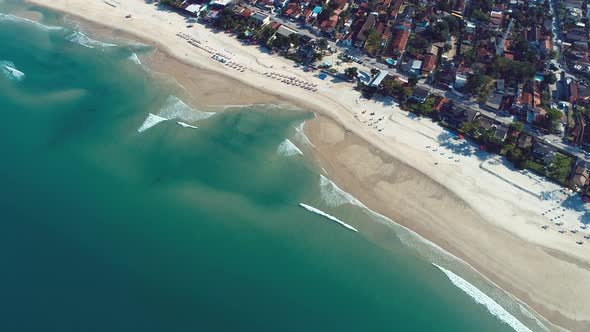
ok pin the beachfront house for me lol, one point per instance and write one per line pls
(456, 116)
(581, 177)
(379, 78)
(193, 8)
(285, 31)
(261, 18)
(420, 94)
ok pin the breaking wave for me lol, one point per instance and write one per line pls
(10, 71)
(13, 18)
(334, 196)
(177, 109)
(81, 39)
(324, 214)
(150, 121)
(133, 57)
(287, 148)
(300, 135)
(186, 125)
(481, 298)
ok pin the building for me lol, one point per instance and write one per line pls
(581, 177)
(361, 36)
(420, 94)
(457, 116)
(428, 64)
(379, 78)
(261, 18)
(285, 31)
(401, 33)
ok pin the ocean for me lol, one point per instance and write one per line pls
(126, 209)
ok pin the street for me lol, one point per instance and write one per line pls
(369, 63)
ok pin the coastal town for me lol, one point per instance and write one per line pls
(510, 75)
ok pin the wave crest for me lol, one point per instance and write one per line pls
(334, 196)
(81, 39)
(301, 137)
(177, 109)
(133, 57)
(9, 70)
(186, 125)
(480, 297)
(287, 148)
(150, 121)
(18, 19)
(324, 214)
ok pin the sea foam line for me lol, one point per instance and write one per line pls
(81, 39)
(13, 18)
(480, 297)
(300, 135)
(324, 214)
(287, 148)
(333, 195)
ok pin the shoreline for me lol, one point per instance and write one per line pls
(336, 146)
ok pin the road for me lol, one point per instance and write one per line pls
(371, 62)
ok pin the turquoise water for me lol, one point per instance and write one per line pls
(172, 228)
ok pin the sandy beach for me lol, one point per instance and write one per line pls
(466, 201)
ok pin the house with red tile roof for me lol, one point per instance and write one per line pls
(428, 64)
(328, 25)
(399, 39)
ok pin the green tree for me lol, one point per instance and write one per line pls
(517, 157)
(560, 168)
(294, 40)
(550, 78)
(469, 128)
(373, 41)
(554, 117)
(516, 126)
(322, 44)
(412, 81)
(374, 71)
(325, 14)
(351, 72)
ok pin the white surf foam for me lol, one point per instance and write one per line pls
(9, 70)
(324, 214)
(13, 18)
(81, 39)
(287, 148)
(530, 316)
(334, 196)
(150, 121)
(300, 135)
(481, 298)
(135, 58)
(186, 125)
(177, 109)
